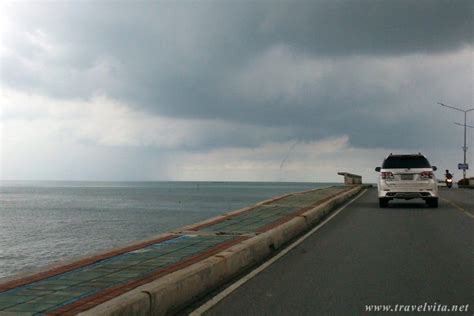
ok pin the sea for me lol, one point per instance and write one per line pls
(47, 222)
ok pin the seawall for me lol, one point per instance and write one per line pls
(165, 273)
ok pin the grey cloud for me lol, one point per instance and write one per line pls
(373, 27)
(181, 59)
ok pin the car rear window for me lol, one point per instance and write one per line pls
(405, 162)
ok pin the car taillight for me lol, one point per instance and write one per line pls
(426, 175)
(386, 175)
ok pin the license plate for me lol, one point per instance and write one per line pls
(407, 177)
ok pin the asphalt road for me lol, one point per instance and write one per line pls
(405, 254)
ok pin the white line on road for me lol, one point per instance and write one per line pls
(458, 207)
(226, 292)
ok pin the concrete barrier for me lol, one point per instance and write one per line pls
(469, 186)
(350, 178)
(178, 289)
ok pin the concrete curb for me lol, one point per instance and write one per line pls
(175, 290)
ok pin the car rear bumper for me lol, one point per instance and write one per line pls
(407, 195)
(412, 190)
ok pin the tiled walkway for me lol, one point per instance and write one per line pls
(264, 217)
(82, 285)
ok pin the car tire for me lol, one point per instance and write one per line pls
(432, 202)
(383, 202)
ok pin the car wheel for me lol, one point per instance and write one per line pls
(432, 202)
(383, 202)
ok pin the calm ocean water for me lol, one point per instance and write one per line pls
(45, 222)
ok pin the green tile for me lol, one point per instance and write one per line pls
(186, 252)
(125, 273)
(131, 260)
(155, 264)
(49, 287)
(6, 313)
(82, 276)
(162, 258)
(53, 299)
(97, 283)
(248, 221)
(29, 292)
(30, 307)
(74, 293)
(99, 269)
(4, 305)
(12, 298)
(173, 247)
(200, 250)
(141, 257)
(117, 265)
(115, 278)
(171, 256)
(57, 281)
(82, 288)
(139, 268)
(105, 280)
(105, 270)
(214, 240)
(235, 227)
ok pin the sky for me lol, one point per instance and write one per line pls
(231, 90)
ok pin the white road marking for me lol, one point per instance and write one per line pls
(226, 292)
(459, 207)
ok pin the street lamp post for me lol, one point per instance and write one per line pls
(465, 125)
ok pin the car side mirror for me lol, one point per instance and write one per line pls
(377, 169)
(434, 168)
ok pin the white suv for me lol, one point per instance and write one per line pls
(407, 177)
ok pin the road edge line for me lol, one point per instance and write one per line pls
(234, 286)
(458, 207)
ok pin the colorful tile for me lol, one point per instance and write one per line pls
(121, 270)
(30, 307)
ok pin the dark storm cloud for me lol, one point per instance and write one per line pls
(184, 59)
(373, 27)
